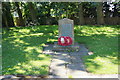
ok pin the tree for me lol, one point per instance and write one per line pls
(81, 17)
(22, 22)
(116, 9)
(6, 15)
(100, 17)
(0, 15)
(33, 12)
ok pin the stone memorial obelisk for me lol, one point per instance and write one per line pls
(66, 28)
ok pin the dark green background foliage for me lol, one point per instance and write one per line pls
(42, 13)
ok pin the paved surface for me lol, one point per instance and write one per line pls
(70, 64)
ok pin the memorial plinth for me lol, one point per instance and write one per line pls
(66, 28)
(74, 47)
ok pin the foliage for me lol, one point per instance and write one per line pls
(42, 13)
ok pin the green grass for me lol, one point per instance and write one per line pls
(22, 48)
(103, 42)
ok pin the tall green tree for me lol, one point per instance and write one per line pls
(81, 16)
(0, 14)
(33, 12)
(22, 21)
(100, 17)
(6, 15)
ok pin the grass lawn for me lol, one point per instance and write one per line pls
(22, 48)
(103, 42)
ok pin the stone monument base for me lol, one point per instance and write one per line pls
(57, 47)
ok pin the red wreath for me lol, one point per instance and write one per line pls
(67, 41)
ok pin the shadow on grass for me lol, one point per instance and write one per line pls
(22, 48)
(103, 42)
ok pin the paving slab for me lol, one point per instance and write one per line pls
(66, 59)
(70, 64)
(78, 67)
(76, 59)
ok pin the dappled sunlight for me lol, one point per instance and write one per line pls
(102, 65)
(31, 66)
(51, 40)
(24, 31)
(30, 49)
(28, 35)
(104, 60)
(22, 48)
(89, 31)
(18, 40)
(35, 67)
(39, 63)
(103, 42)
(55, 32)
(20, 71)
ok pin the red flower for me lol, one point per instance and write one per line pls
(67, 41)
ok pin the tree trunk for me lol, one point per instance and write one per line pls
(0, 14)
(81, 16)
(7, 16)
(33, 12)
(4, 20)
(22, 22)
(100, 17)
